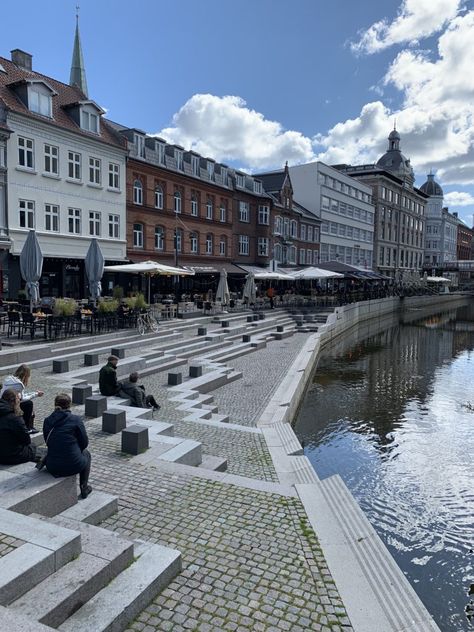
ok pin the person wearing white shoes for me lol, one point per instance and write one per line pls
(19, 382)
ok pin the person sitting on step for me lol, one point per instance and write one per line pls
(18, 382)
(136, 393)
(108, 383)
(15, 440)
(67, 441)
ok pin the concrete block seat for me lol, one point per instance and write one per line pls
(209, 381)
(113, 420)
(135, 439)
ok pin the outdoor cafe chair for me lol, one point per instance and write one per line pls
(14, 323)
(30, 324)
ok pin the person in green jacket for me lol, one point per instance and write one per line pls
(108, 384)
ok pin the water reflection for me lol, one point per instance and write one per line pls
(388, 414)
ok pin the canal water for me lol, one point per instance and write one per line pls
(391, 410)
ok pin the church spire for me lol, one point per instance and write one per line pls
(78, 72)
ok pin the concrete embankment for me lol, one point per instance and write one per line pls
(377, 595)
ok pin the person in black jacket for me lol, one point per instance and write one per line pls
(66, 438)
(108, 384)
(136, 393)
(15, 440)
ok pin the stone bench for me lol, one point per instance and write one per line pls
(91, 359)
(95, 405)
(175, 378)
(113, 421)
(135, 440)
(202, 331)
(60, 366)
(119, 352)
(80, 392)
(195, 370)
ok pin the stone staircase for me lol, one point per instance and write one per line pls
(66, 572)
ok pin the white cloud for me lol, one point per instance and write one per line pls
(225, 129)
(458, 198)
(416, 19)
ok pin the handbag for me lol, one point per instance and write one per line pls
(42, 462)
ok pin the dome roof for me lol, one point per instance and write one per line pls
(430, 187)
(394, 161)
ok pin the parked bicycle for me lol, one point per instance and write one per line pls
(146, 322)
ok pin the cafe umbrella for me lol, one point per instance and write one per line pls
(94, 266)
(223, 294)
(31, 266)
(249, 293)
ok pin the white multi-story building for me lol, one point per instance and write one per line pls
(441, 226)
(345, 208)
(64, 177)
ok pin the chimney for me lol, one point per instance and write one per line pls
(22, 59)
(455, 214)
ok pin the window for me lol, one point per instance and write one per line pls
(209, 244)
(310, 233)
(263, 215)
(159, 197)
(257, 186)
(222, 245)
(138, 235)
(303, 233)
(244, 245)
(114, 175)
(209, 208)
(114, 226)
(324, 202)
(177, 202)
(222, 212)
(194, 206)
(278, 225)
(51, 217)
(244, 211)
(74, 165)
(316, 233)
(94, 171)
(139, 142)
(278, 253)
(224, 176)
(178, 239)
(51, 160)
(39, 102)
(315, 257)
(27, 213)
(240, 179)
(286, 227)
(210, 170)
(159, 238)
(292, 254)
(195, 165)
(90, 121)
(178, 155)
(160, 150)
(74, 221)
(26, 153)
(262, 246)
(193, 238)
(302, 256)
(94, 223)
(137, 192)
(309, 257)
(294, 228)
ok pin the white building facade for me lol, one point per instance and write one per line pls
(441, 226)
(345, 208)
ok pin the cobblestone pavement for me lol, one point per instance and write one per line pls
(8, 544)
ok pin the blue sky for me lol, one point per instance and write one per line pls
(259, 82)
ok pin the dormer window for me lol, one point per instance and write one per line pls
(160, 150)
(210, 170)
(195, 165)
(257, 186)
(178, 155)
(139, 142)
(90, 122)
(39, 102)
(224, 175)
(240, 180)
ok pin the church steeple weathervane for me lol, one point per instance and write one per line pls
(78, 72)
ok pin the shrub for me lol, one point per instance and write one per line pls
(136, 302)
(108, 306)
(64, 307)
(117, 292)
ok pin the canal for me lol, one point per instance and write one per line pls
(391, 410)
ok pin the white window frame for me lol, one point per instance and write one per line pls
(240, 180)
(51, 159)
(194, 206)
(74, 216)
(26, 152)
(244, 211)
(244, 245)
(195, 165)
(177, 201)
(222, 213)
(209, 243)
(95, 169)
(278, 225)
(210, 169)
(294, 228)
(310, 233)
(89, 121)
(257, 186)
(209, 209)
(138, 235)
(138, 192)
(139, 142)
(160, 150)
(39, 102)
(302, 256)
(262, 246)
(26, 214)
(95, 223)
(178, 155)
(74, 169)
(194, 243)
(114, 226)
(114, 176)
(222, 246)
(51, 218)
(303, 232)
(263, 214)
(179, 240)
(158, 197)
(159, 238)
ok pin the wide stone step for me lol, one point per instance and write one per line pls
(214, 463)
(375, 592)
(36, 492)
(94, 509)
(187, 452)
(119, 603)
(16, 622)
(288, 439)
(104, 555)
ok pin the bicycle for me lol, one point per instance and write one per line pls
(146, 322)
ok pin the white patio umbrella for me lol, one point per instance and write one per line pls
(31, 266)
(223, 294)
(249, 292)
(149, 267)
(273, 276)
(315, 273)
(94, 265)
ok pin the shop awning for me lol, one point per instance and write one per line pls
(213, 268)
(265, 273)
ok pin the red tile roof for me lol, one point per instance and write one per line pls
(66, 95)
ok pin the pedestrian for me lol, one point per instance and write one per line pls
(108, 383)
(271, 296)
(18, 382)
(136, 393)
(15, 440)
(66, 439)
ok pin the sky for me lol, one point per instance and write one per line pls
(256, 83)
